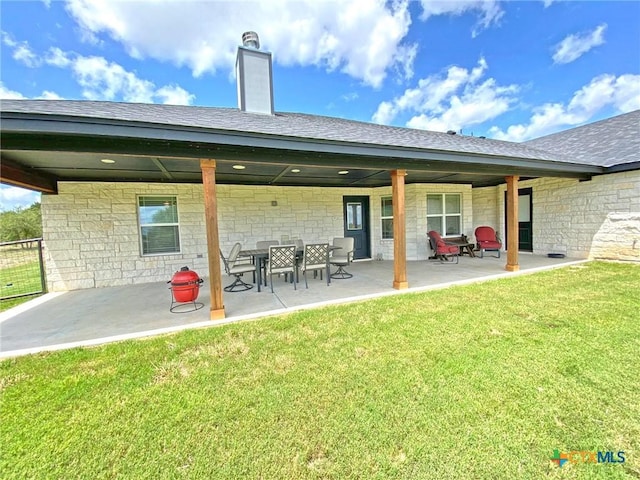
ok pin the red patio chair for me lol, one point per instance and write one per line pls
(441, 249)
(487, 240)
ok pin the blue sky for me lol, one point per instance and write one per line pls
(507, 70)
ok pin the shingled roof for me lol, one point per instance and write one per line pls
(159, 143)
(282, 124)
(610, 142)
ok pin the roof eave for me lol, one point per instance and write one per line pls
(622, 167)
(409, 157)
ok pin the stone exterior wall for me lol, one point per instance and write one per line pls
(420, 214)
(91, 232)
(487, 205)
(246, 213)
(91, 236)
(597, 219)
(381, 248)
(416, 218)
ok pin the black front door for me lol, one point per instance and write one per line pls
(525, 219)
(356, 224)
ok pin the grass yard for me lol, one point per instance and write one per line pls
(19, 275)
(481, 382)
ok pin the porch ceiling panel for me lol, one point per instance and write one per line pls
(63, 161)
(88, 175)
(238, 148)
(88, 167)
(394, 159)
(70, 148)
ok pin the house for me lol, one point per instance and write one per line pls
(132, 192)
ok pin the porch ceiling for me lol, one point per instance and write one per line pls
(76, 166)
(40, 150)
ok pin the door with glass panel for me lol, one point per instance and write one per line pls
(444, 214)
(356, 224)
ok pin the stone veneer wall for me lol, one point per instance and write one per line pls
(597, 219)
(91, 236)
(422, 242)
(91, 233)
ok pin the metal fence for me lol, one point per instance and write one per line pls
(21, 269)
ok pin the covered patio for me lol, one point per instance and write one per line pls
(88, 153)
(102, 315)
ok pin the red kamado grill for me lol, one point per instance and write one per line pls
(185, 287)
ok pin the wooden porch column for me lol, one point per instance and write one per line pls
(208, 168)
(399, 231)
(512, 224)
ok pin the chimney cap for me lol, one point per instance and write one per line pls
(251, 40)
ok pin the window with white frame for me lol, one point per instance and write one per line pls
(159, 227)
(386, 217)
(444, 213)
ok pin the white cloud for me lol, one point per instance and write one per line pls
(576, 45)
(174, 95)
(405, 58)
(361, 38)
(489, 11)
(21, 51)
(9, 94)
(48, 95)
(603, 91)
(57, 58)
(24, 54)
(99, 78)
(450, 102)
(13, 197)
(104, 80)
(474, 106)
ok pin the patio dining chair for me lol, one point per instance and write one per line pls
(266, 244)
(282, 259)
(236, 268)
(316, 258)
(442, 250)
(299, 253)
(487, 240)
(342, 256)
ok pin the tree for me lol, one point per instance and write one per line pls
(21, 223)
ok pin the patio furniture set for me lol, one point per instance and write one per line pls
(270, 258)
(450, 249)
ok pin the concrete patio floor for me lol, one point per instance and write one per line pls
(95, 316)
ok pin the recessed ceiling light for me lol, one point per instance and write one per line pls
(107, 160)
(295, 170)
(343, 172)
(239, 167)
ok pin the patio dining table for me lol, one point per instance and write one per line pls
(260, 255)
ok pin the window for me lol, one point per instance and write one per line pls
(444, 213)
(354, 216)
(386, 217)
(159, 228)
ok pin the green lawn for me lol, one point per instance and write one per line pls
(19, 279)
(481, 381)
